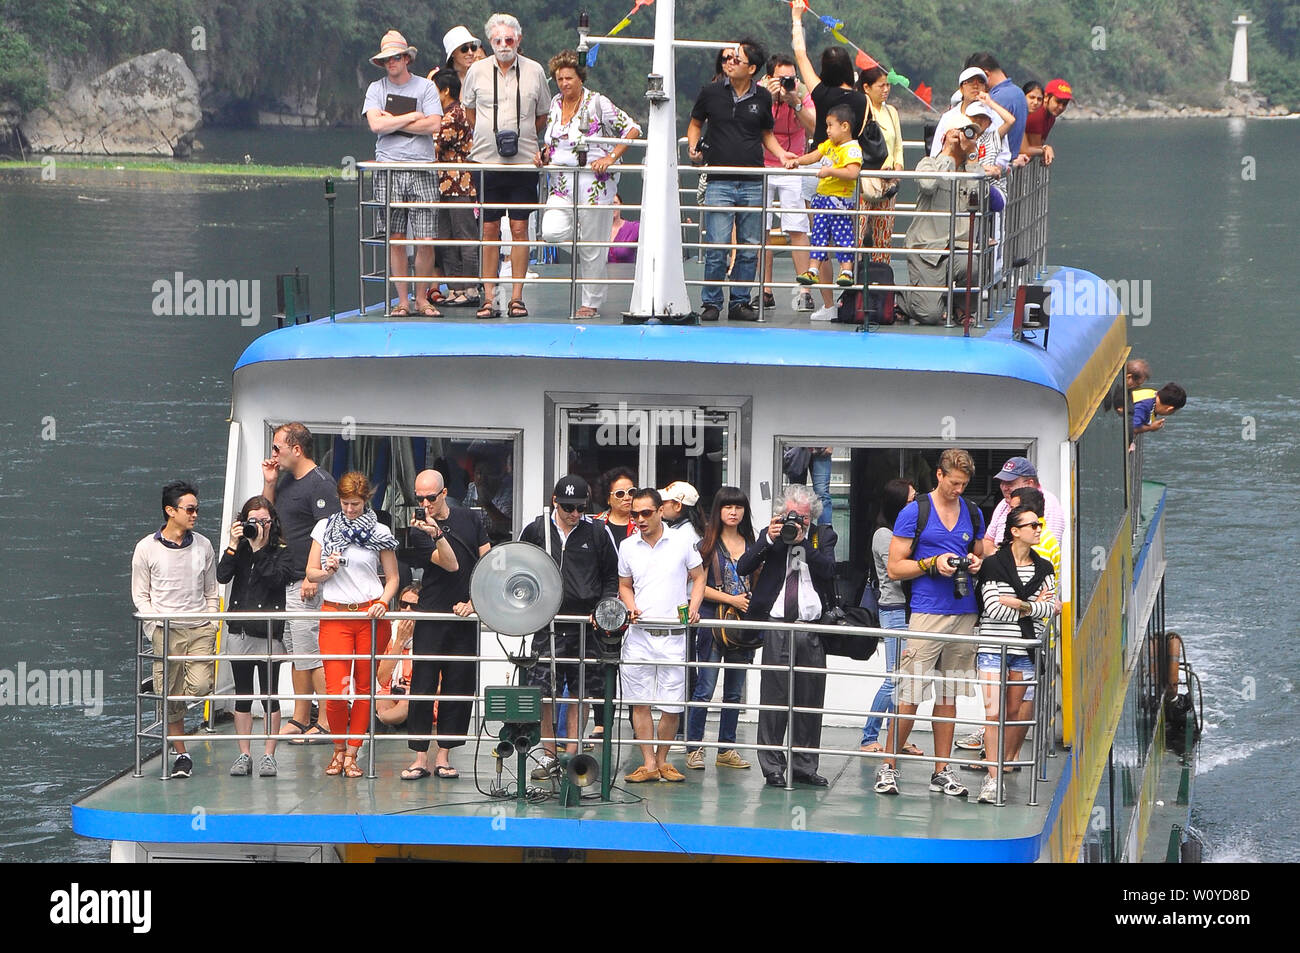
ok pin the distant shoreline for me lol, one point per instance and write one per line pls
(96, 165)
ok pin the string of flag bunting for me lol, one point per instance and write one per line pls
(862, 59)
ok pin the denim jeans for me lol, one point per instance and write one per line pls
(819, 468)
(706, 680)
(736, 193)
(884, 700)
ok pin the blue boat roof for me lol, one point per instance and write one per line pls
(988, 352)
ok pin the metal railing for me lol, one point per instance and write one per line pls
(1019, 255)
(156, 729)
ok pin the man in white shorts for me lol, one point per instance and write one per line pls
(659, 575)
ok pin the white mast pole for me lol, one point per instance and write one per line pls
(659, 289)
(1239, 73)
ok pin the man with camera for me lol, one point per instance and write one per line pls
(795, 562)
(447, 541)
(793, 118)
(507, 103)
(589, 570)
(938, 544)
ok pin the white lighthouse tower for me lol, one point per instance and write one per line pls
(1239, 72)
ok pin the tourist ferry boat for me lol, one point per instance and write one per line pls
(531, 399)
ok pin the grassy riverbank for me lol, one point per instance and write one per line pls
(234, 169)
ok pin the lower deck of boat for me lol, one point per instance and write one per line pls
(717, 813)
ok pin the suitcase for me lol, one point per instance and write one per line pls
(871, 307)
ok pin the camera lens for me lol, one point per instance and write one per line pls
(250, 530)
(787, 82)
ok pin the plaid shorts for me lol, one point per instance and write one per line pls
(407, 187)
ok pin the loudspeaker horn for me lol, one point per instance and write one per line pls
(516, 589)
(582, 770)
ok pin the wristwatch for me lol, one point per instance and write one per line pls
(797, 107)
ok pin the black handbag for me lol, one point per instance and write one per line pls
(872, 141)
(847, 645)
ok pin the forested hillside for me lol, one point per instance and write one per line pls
(252, 54)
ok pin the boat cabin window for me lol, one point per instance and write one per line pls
(858, 474)
(1101, 491)
(478, 468)
(660, 444)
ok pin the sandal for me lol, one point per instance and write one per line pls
(335, 767)
(875, 747)
(399, 312)
(434, 296)
(912, 749)
(585, 312)
(350, 769)
(311, 735)
(472, 299)
(446, 772)
(415, 773)
(457, 299)
(487, 311)
(517, 308)
(302, 730)
(429, 311)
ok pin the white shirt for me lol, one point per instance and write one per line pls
(810, 604)
(358, 581)
(659, 573)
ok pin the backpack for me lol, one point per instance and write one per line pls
(868, 306)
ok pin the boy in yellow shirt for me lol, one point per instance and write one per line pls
(831, 227)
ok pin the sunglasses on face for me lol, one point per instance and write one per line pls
(427, 498)
(643, 514)
(469, 47)
(620, 494)
(395, 58)
(1033, 525)
(410, 606)
(569, 507)
(503, 41)
(188, 509)
(729, 58)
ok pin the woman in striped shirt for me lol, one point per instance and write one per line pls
(1017, 589)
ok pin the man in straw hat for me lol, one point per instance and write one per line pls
(405, 114)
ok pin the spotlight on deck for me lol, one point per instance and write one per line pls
(516, 589)
(611, 623)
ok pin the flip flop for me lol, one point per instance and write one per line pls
(399, 312)
(415, 774)
(429, 311)
(875, 747)
(446, 772)
(912, 749)
(457, 299)
(487, 311)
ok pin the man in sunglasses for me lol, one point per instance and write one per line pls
(661, 578)
(447, 541)
(589, 568)
(174, 570)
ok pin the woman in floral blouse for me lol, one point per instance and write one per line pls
(456, 219)
(578, 113)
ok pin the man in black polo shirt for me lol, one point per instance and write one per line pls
(739, 116)
(448, 543)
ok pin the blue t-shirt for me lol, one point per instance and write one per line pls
(931, 594)
(1011, 98)
(1144, 412)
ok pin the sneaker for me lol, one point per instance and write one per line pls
(828, 313)
(886, 780)
(266, 768)
(183, 766)
(989, 791)
(973, 741)
(809, 277)
(742, 312)
(242, 767)
(669, 773)
(844, 278)
(695, 760)
(730, 759)
(947, 782)
(709, 312)
(805, 302)
(549, 768)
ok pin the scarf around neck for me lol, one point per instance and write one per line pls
(340, 533)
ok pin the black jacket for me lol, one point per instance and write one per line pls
(771, 557)
(260, 579)
(588, 564)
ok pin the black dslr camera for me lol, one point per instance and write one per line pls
(961, 578)
(787, 83)
(791, 527)
(250, 530)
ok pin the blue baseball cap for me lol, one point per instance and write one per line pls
(1015, 468)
